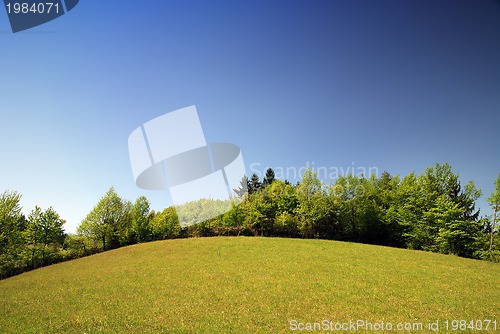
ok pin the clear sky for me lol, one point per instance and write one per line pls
(397, 85)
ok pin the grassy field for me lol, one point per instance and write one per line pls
(248, 285)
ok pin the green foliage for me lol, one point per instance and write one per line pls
(234, 217)
(443, 215)
(285, 224)
(254, 184)
(494, 199)
(284, 195)
(313, 208)
(430, 211)
(243, 189)
(268, 178)
(32, 236)
(28, 243)
(201, 210)
(44, 237)
(141, 217)
(76, 246)
(348, 193)
(259, 211)
(256, 209)
(11, 239)
(165, 224)
(108, 223)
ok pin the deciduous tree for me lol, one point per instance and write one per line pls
(12, 223)
(141, 231)
(494, 201)
(107, 223)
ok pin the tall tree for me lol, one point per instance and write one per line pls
(254, 184)
(32, 236)
(454, 234)
(494, 201)
(44, 236)
(444, 214)
(108, 221)
(386, 201)
(11, 240)
(269, 177)
(313, 208)
(405, 210)
(140, 229)
(165, 224)
(258, 216)
(244, 186)
(348, 194)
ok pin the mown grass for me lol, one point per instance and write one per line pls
(246, 285)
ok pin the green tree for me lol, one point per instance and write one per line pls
(259, 217)
(244, 186)
(268, 178)
(313, 211)
(254, 184)
(108, 222)
(141, 231)
(443, 215)
(33, 236)
(284, 201)
(52, 235)
(284, 195)
(390, 229)
(165, 224)
(44, 237)
(454, 234)
(76, 246)
(408, 209)
(234, 217)
(374, 197)
(348, 195)
(285, 224)
(494, 201)
(12, 224)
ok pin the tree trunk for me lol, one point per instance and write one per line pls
(33, 257)
(491, 233)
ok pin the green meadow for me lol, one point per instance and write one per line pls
(251, 285)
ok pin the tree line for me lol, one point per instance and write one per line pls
(432, 211)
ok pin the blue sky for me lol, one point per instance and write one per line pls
(397, 85)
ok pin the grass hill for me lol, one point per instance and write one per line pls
(247, 285)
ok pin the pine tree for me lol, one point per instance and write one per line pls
(254, 185)
(269, 178)
(244, 187)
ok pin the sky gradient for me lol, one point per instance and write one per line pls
(396, 85)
